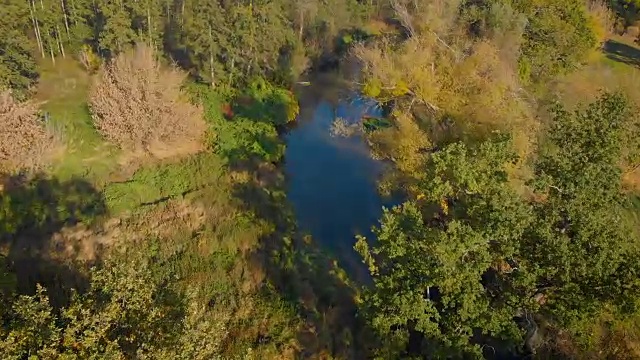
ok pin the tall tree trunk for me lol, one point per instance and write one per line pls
(233, 65)
(36, 28)
(60, 42)
(53, 58)
(73, 11)
(253, 36)
(151, 44)
(301, 31)
(166, 7)
(40, 37)
(212, 74)
(66, 21)
(182, 15)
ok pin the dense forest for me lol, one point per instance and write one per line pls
(143, 203)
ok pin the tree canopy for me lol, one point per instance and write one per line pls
(472, 254)
(143, 197)
(126, 313)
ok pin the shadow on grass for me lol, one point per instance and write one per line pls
(303, 275)
(623, 53)
(31, 211)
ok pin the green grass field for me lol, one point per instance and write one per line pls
(63, 92)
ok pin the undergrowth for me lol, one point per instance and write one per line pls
(160, 182)
(185, 218)
(245, 126)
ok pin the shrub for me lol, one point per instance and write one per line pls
(138, 105)
(558, 37)
(89, 59)
(24, 138)
(601, 19)
(267, 103)
(249, 132)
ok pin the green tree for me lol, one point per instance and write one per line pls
(126, 313)
(52, 23)
(114, 26)
(17, 65)
(627, 9)
(557, 37)
(260, 30)
(203, 34)
(81, 17)
(232, 42)
(440, 264)
(472, 254)
(582, 248)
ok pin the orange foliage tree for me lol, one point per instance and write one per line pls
(24, 138)
(137, 104)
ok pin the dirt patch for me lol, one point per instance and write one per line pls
(80, 243)
(87, 244)
(631, 180)
(187, 147)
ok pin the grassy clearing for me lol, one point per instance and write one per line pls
(160, 182)
(205, 243)
(612, 69)
(63, 91)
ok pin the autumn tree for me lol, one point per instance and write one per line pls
(25, 142)
(137, 103)
(449, 83)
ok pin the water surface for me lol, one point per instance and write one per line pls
(332, 180)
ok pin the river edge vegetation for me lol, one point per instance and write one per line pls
(143, 212)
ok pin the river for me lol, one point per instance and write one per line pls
(332, 181)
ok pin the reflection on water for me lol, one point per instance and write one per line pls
(332, 180)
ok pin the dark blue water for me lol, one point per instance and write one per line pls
(332, 180)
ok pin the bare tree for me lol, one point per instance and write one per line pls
(424, 19)
(403, 15)
(138, 104)
(25, 142)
